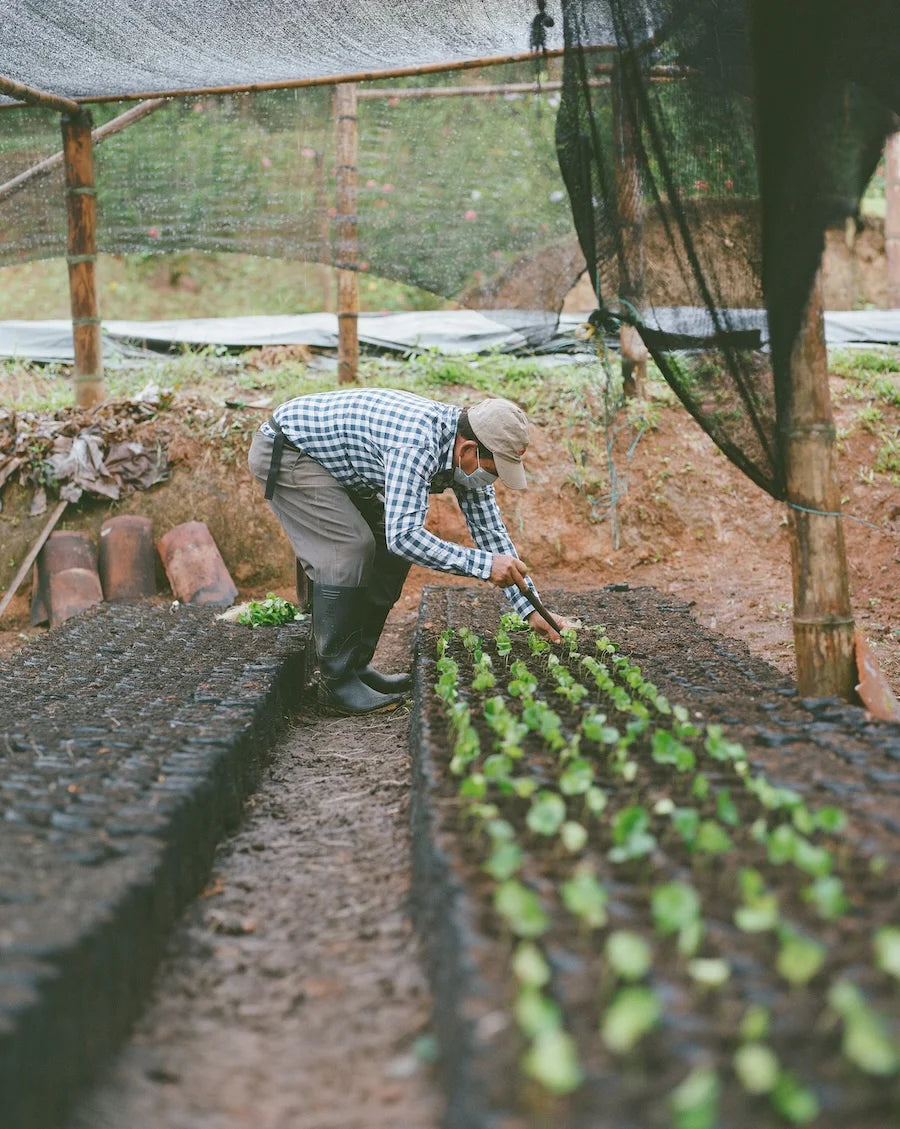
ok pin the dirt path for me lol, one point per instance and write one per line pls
(292, 996)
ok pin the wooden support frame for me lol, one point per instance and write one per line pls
(347, 257)
(823, 617)
(892, 216)
(629, 196)
(81, 256)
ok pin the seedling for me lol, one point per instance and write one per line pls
(887, 950)
(628, 954)
(552, 1060)
(546, 814)
(521, 909)
(529, 965)
(799, 958)
(695, 1102)
(630, 834)
(756, 1067)
(866, 1041)
(270, 612)
(633, 1014)
(585, 898)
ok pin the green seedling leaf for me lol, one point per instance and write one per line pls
(758, 916)
(695, 1102)
(521, 908)
(525, 786)
(577, 778)
(628, 954)
(712, 838)
(596, 801)
(828, 897)
(689, 937)
(271, 612)
(574, 836)
(799, 958)
(781, 844)
(711, 972)
(585, 898)
(726, 810)
(868, 1044)
(502, 643)
(536, 1012)
(831, 820)
(504, 861)
(803, 819)
(686, 821)
(500, 831)
(674, 905)
(700, 788)
(546, 814)
(632, 1014)
(595, 728)
(498, 766)
(630, 835)
(720, 749)
(482, 681)
(665, 806)
(667, 749)
(887, 950)
(474, 787)
(756, 1067)
(512, 621)
(529, 965)
(755, 1024)
(812, 860)
(552, 1061)
(793, 1100)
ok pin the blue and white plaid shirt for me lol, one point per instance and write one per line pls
(392, 444)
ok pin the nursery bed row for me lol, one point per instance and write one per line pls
(637, 925)
(128, 740)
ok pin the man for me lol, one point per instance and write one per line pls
(348, 476)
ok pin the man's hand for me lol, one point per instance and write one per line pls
(506, 571)
(540, 626)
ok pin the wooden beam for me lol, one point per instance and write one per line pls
(657, 74)
(78, 158)
(347, 246)
(892, 217)
(32, 554)
(629, 200)
(30, 96)
(99, 134)
(823, 618)
(332, 80)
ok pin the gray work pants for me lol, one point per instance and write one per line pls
(337, 540)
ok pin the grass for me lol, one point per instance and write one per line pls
(873, 380)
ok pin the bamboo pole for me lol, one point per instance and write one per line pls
(347, 249)
(823, 618)
(99, 134)
(892, 217)
(657, 74)
(630, 213)
(31, 96)
(31, 555)
(325, 274)
(328, 80)
(78, 158)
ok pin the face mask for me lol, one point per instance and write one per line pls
(477, 479)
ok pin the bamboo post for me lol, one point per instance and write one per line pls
(78, 158)
(892, 217)
(629, 206)
(325, 279)
(347, 257)
(823, 618)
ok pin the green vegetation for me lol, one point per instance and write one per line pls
(270, 612)
(530, 782)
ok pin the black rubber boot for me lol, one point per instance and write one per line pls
(374, 617)
(337, 617)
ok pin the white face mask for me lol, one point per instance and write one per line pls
(477, 479)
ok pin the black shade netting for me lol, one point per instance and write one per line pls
(731, 135)
(455, 193)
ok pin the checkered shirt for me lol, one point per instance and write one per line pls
(393, 445)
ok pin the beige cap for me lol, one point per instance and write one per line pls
(502, 427)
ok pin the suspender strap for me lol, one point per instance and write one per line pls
(275, 464)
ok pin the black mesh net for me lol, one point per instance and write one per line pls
(731, 135)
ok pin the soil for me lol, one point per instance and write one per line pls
(291, 995)
(827, 752)
(226, 1044)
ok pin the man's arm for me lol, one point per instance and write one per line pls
(488, 531)
(407, 476)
